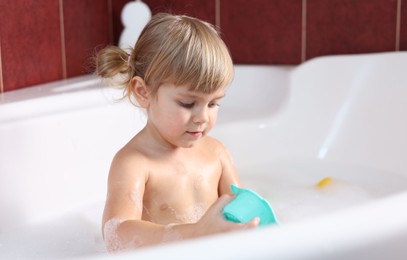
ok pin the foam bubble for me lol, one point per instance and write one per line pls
(189, 215)
(298, 203)
(110, 234)
(112, 240)
(138, 201)
(192, 214)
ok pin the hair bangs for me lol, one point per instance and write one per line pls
(195, 57)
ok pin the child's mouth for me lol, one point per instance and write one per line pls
(195, 133)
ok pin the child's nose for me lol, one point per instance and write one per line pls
(201, 115)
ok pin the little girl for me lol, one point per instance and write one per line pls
(171, 181)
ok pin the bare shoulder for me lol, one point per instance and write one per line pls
(126, 184)
(128, 163)
(214, 144)
(220, 150)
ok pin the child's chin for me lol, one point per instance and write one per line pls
(190, 144)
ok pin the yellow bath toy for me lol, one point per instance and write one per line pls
(327, 181)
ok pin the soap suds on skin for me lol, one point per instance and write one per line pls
(138, 202)
(112, 241)
(192, 214)
(110, 234)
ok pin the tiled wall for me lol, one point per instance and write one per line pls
(47, 40)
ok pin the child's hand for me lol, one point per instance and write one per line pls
(214, 221)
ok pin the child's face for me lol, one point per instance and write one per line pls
(180, 117)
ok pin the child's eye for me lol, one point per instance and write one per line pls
(213, 104)
(186, 104)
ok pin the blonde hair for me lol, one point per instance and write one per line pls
(176, 49)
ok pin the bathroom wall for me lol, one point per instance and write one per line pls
(48, 40)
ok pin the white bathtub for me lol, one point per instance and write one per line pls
(343, 117)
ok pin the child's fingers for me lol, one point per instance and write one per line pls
(253, 223)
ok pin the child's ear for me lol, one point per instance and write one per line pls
(140, 91)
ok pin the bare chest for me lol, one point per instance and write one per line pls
(180, 191)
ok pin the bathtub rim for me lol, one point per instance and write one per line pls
(347, 236)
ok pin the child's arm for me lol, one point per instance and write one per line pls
(137, 233)
(229, 175)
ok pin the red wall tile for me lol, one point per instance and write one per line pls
(403, 26)
(204, 10)
(86, 27)
(262, 31)
(349, 26)
(30, 42)
(256, 31)
(117, 26)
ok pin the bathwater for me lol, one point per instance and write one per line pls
(68, 236)
(297, 190)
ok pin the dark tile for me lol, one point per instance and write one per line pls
(86, 25)
(262, 31)
(204, 10)
(403, 26)
(349, 26)
(117, 7)
(30, 42)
